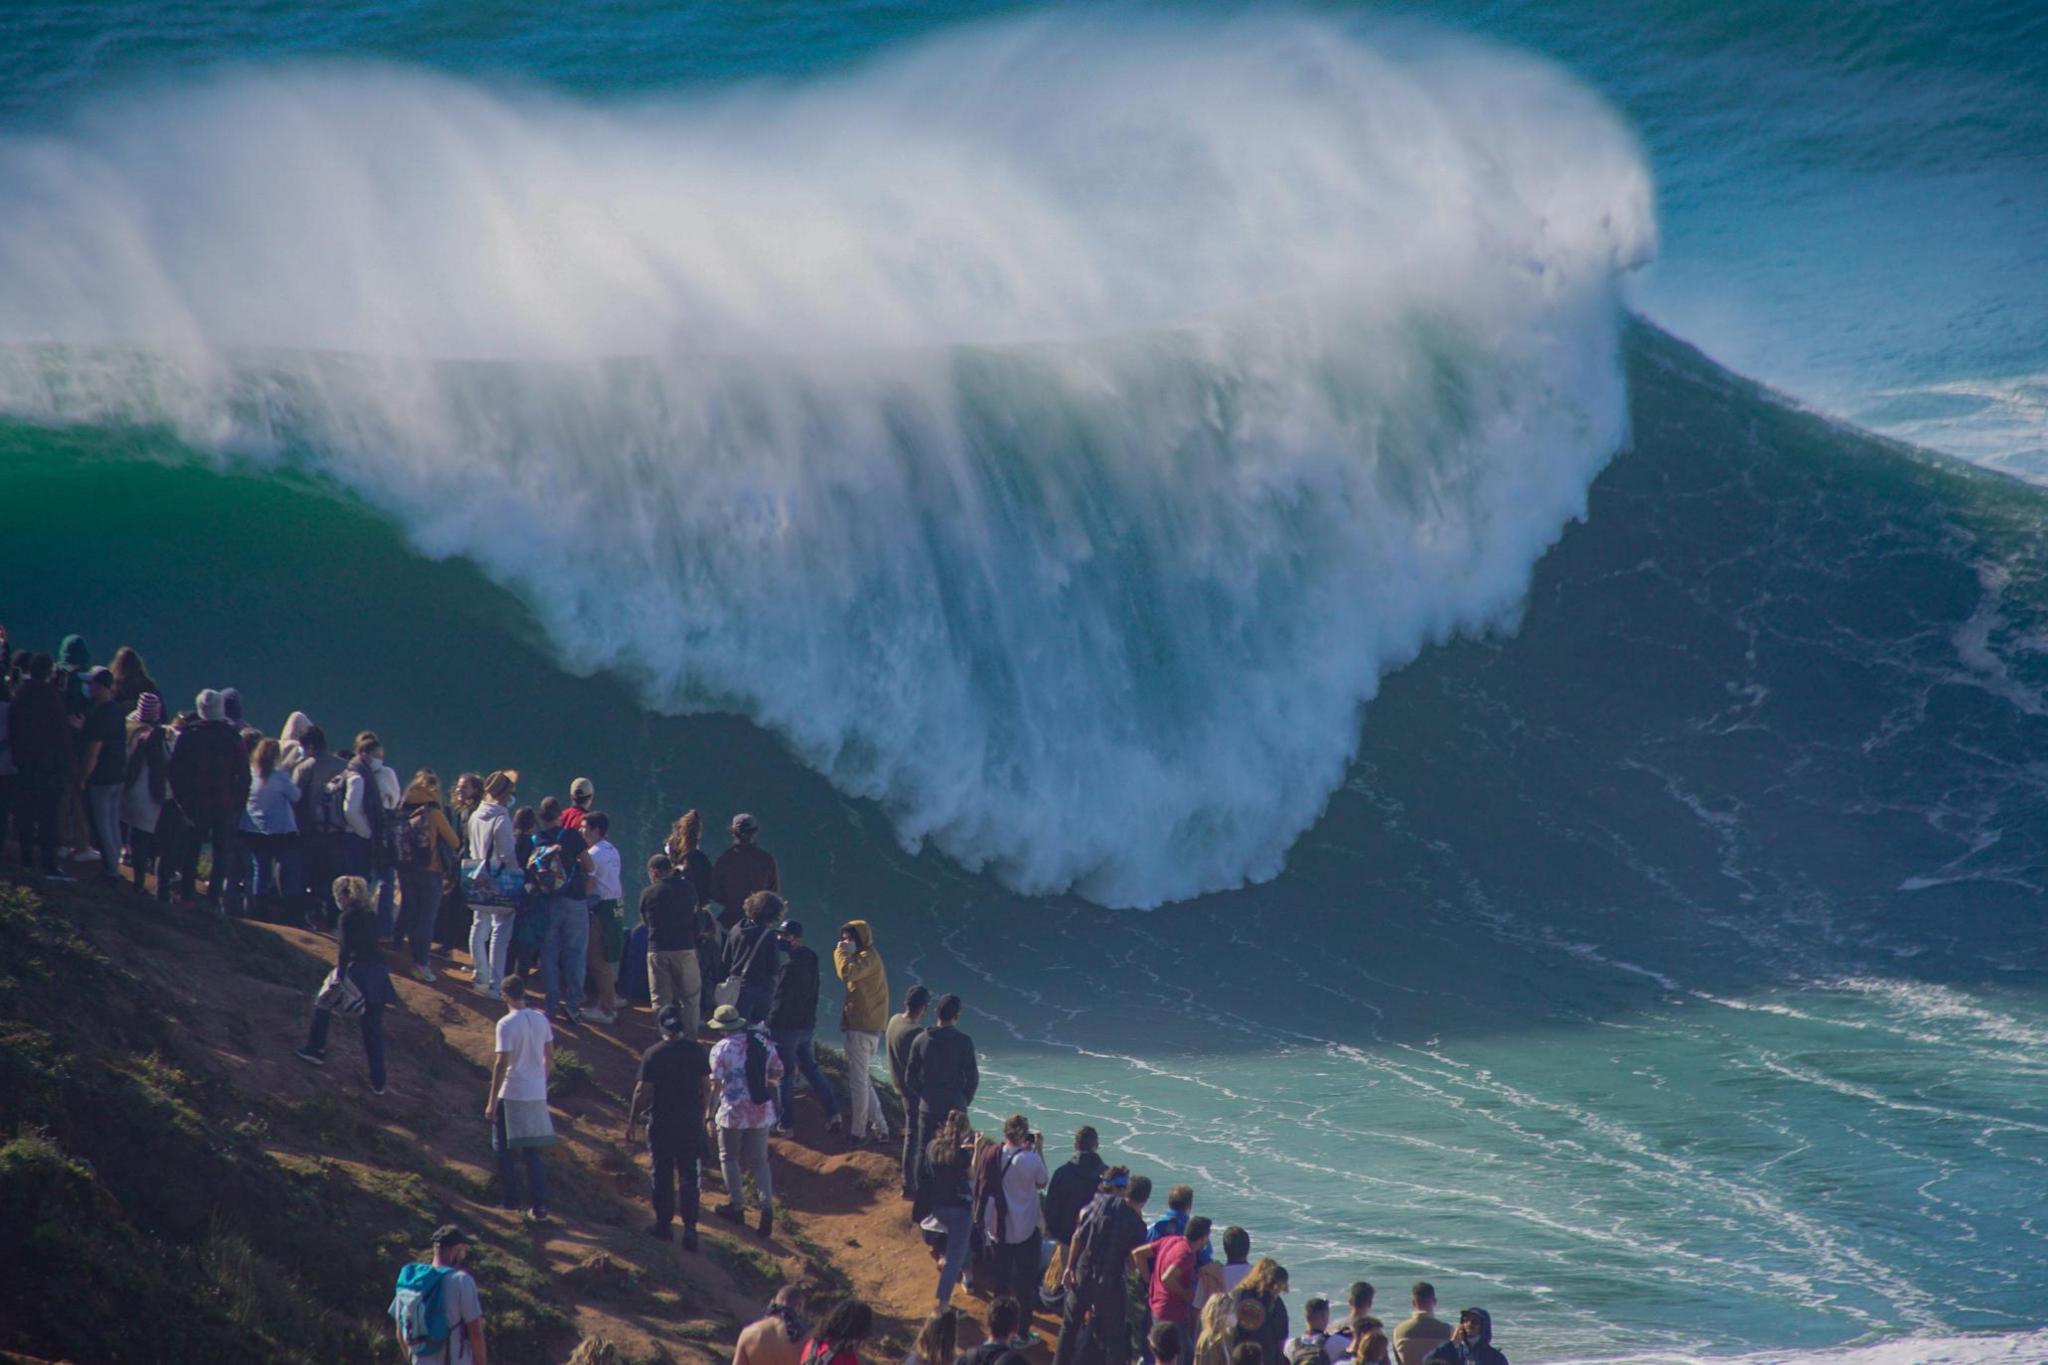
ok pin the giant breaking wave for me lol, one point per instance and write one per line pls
(1053, 433)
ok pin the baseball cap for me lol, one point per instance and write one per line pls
(582, 786)
(790, 927)
(448, 1235)
(744, 823)
(674, 1019)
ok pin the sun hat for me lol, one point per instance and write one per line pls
(726, 1019)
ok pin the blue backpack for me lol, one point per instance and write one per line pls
(418, 1310)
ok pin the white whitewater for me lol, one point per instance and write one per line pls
(1054, 433)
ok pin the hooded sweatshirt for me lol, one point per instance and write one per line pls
(867, 983)
(440, 834)
(290, 751)
(1480, 1352)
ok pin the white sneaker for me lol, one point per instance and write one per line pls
(597, 1016)
(488, 992)
(86, 855)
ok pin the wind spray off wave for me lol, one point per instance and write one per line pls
(1054, 433)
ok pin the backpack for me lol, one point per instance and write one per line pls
(1309, 1349)
(330, 804)
(416, 837)
(546, 869)
(758, 1089)
(418, 1310)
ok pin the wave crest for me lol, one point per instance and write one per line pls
(1054, 433)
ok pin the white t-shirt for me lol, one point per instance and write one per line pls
(1021, 1184)
(604, 872)
(460, 1304)
(523, 1035)
(1234, 1273)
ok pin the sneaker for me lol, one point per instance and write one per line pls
(600, 1017)
(55, 875)
(732, 1213)
(689, 1237)
(785, 1130)
(487, 992)
(577, 1017)
(1024, 1341)
(536, 1215)
(835, 1124)
(376, 1090)
(312, 1057)
(423, 974)
(661, 1232)
(767, 1223)
(85, 855)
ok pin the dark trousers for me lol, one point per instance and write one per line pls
(373, 1038)
(220, 831)
(1095, 1326)
(155, 851)
(674, 1162)
(508, 1170)
(38, 793)
(274, 863)
(913, 1145)
(1016, 1266)
(419, 895)
(320, 860)
(8, 782)
(753, 1003)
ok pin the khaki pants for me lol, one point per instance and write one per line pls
(673, 978)
(860, 1086)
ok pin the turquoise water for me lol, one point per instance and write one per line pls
(1011, 458)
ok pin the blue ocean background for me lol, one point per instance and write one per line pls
(1242, 539)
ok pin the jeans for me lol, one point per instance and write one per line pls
(754, 1002)
(748, 1146)
(103, 803)
(490, 946)
(799, 1050)
(421, 896)
(1106, 1311)
(563, 952)
(373, 1038)
(38, 792)
(860, 1085)
(673, 1162)
(959, 1223)
(508, 1171)
(153, 854)
(673, 979)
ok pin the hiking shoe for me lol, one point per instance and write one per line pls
(313, 1057)
(423, 973)
(732, 1213)
(767, 1223)
(661, 1232)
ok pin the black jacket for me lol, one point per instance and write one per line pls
(942, 1073)
(1072, 1186)
(795, 1005)
(1480, 1352)
(750, 954)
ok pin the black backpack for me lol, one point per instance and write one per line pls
(758, 1089)
(1310, 1348)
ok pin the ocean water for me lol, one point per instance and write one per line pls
(1170, 515)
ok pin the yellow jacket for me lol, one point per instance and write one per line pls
(866, 981)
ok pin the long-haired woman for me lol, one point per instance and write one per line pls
(270, 831)
(838, 1339)
(945, 1196)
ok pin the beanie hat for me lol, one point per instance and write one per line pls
(149, 709)
(208, 704)
(231, 704)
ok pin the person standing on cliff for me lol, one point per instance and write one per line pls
(941, 1070)
(674, 1090)
(905, 1029)
(582, 793)
(793, 1024)
(742, 870)
(859, 964)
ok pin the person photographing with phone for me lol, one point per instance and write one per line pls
(1011, 1218)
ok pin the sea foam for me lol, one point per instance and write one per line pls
(1053, 433)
